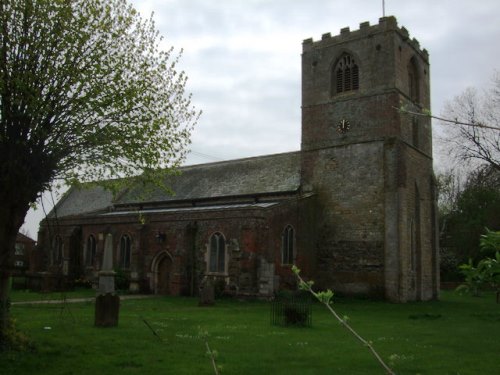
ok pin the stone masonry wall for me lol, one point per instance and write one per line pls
(349, 182)
(185, 242)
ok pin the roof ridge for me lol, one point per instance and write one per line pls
(231, 161)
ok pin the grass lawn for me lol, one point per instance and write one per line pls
(27, 295)
(457, 335)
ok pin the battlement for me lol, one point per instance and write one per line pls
(365, 29)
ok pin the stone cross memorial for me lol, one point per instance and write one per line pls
(107, 304)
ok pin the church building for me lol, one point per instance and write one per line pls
(354, 208)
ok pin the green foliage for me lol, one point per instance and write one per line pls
(122, 280)
(87, 94)
(464, 215)
(491, 269)
(489, 242)
(82, 283)
(477, 208)
(448, 263)
(322, 296)
(14, 340)
(487, 271)
(467, 205)
(474, 278)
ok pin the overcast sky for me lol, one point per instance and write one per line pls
(242, 58)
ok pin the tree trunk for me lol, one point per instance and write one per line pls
(11, 218)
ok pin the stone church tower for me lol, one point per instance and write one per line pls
(369, 164)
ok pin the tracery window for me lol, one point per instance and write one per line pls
(287, 245)
(90, 251)
(217, 254)
(345, 75)
(125, 252)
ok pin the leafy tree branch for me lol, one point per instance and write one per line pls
(325, 297)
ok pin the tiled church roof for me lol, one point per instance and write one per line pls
(251, 176)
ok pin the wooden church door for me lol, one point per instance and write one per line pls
(164, 270)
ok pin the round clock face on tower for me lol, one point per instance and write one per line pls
(343, 126)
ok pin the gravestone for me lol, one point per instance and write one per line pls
(107, 308)
(107, 304)
(207, 293)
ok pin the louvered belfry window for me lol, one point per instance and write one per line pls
(346, 74)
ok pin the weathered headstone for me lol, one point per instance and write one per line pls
(207, 293)
(107, 304)
(107, 309)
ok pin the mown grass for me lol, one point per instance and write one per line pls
(457, 335)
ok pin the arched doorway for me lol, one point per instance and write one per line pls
(162, 271)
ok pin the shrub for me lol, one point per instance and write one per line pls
(122, 280)
(82, 283)
(14, 340)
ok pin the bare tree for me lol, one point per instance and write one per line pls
(474, 134)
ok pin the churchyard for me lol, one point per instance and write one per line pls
(458, 335)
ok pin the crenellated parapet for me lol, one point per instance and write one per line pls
(365, 30)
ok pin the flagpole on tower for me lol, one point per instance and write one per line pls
(383, 8)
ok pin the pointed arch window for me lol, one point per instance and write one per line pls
(217, 254)
(90, 251)
(287, 245)
(125, 251)
(345, 75)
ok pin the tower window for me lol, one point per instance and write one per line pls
(345, 75)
